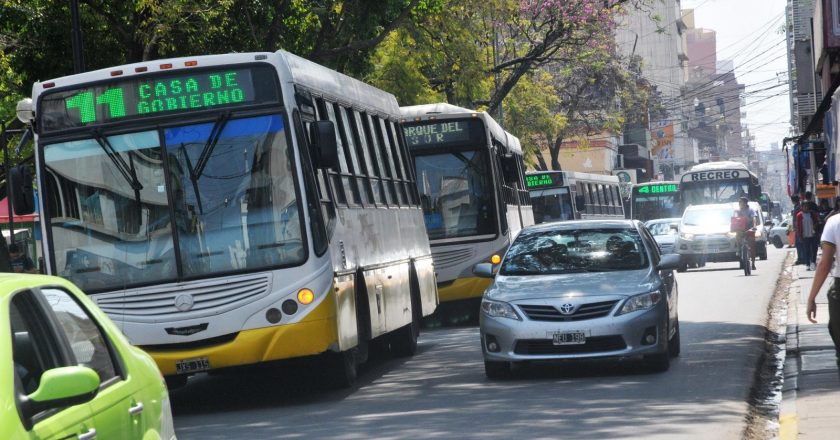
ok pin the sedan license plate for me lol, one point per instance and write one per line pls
(192, 365)
(569, 338)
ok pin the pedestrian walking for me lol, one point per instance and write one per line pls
(797, 240)
(807, 227)
(830, 248)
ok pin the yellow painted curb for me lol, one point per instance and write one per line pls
(788, 427)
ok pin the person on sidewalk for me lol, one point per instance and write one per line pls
(797, 240)
(807, 228)
(830, 248)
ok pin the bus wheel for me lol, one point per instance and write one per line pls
(343, 368)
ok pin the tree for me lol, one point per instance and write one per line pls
(540, 32)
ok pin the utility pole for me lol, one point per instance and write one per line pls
(76, 38)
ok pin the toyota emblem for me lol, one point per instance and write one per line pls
(567, 309)
(184, 302)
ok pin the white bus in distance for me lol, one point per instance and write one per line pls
(570, 195)
(470, 177)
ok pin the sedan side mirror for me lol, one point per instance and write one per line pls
(61, 387)
(669, 262)
(484, 270)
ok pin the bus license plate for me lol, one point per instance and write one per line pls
(569, 338)
(192, 365)
(712, 250)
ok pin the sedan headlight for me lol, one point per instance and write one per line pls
(498, 309)
(686, 236)
(641, 302)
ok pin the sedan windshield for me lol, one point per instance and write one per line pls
(455, 191)
(231, 189)
(570, 251)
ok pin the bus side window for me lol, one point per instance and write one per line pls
(403, 164)
(366, 144)
(315, 204)
(334, 177)
(349, 118)
(381, 159)
(345, 159)
(358, 179)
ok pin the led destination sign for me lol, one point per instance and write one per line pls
(545, 180)
(657, 188)
(153, 95)
(438, 132)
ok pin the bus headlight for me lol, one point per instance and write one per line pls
(495, 259)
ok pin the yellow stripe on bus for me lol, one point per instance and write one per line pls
(313, 335)
(464, 288)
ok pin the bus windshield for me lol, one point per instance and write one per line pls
(552, 205)
(456, 194)
(230, 184)
(714, 191)
(650, 207)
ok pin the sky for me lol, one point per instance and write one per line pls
(751, 33)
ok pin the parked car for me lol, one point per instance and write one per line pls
(556, 297)
(664, 231)
(69, 371)
(778, 234)
(705, 234)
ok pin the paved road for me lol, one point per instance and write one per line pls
(442, 391)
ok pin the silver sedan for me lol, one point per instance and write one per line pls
(580, 289)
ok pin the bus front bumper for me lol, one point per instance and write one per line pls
(463, 288)
(316, 334)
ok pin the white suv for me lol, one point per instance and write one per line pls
(705, 235)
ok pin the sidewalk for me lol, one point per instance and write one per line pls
(811, 391)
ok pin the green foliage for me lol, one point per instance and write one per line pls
(547, 64)
(529, 113)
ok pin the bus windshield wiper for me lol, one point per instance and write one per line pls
(126, 169)
(204, 157)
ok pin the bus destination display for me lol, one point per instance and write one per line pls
(661, 188)
(442, 132)
(535, 181)
(152, 95)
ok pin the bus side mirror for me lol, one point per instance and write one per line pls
(322, 135)
(509, 168)
(23, 193)
(580, 203)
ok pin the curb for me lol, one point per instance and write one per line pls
(788, 416)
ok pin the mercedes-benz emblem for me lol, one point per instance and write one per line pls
(567, 309)
(184, 302)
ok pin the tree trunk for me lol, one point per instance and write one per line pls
(555, 153)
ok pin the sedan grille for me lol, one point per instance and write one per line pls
(593, 345)
(550, 313)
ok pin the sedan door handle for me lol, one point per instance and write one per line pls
(89, 435)
(136, 409)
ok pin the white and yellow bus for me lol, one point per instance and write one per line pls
(228, 210)
(470, 177)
